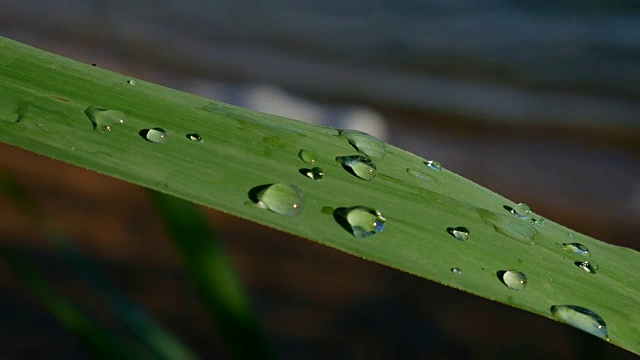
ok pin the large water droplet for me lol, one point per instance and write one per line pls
(456, 271)
(581, 318)
(509, 226)
(577, 248)
(514, 280)
(365, 143)
(155, 135)
(418, 174)
(358, 165)
(308, 156)
(283, 199)
(434, 165)
(588, 266)
(315, 173)
(360, 221)
(461, 233)
(194, 137)
(104, 120)
(131, 82)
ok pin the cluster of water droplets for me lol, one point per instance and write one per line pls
(576, 316)
(105, 120)
(310, 157)
(362, 221)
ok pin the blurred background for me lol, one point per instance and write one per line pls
(535, 100)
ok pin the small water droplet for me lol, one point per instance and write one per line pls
(365, 143)
(461, 233)
(194, 137)
(131, 82)
(315, 173)
(283, 199)
(570, 234)
(514, 280)
(510, 227)
(539, 221)
(360, 221)
(104, 120)
(581, 318)
(358, 165)
(418, 174)
(456, 271)
(434, 165)
(588, 266)
(577, 248)
(520, 210)
(155, 135)
(308, 156)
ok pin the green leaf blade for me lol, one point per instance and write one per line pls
(242, 149)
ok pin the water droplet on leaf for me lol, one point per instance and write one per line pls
(577, 248)
(510, 227)
(194, 137)
(456, 271)
(581, 318)
(315, 173)
(104, 120)
(539, 221)
(360, 221)
(365, 143)
(461, 233)
(358, 165)
(131, 82)
(307, 156)
(283, 199)
(588, 266)
(418, 174)
(155, 135)
(434, 165)
(520, 210)
(514, 280)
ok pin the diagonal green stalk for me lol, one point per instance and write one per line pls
(101, 342)
(214, 277)
(149, 333)
(46, 106)
(145, 330)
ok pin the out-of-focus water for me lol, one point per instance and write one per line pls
(575, 63)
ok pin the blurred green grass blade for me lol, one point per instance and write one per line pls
(43, 99)
(163, 344)
(98, 340)
(160, 341)
(214, 277)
